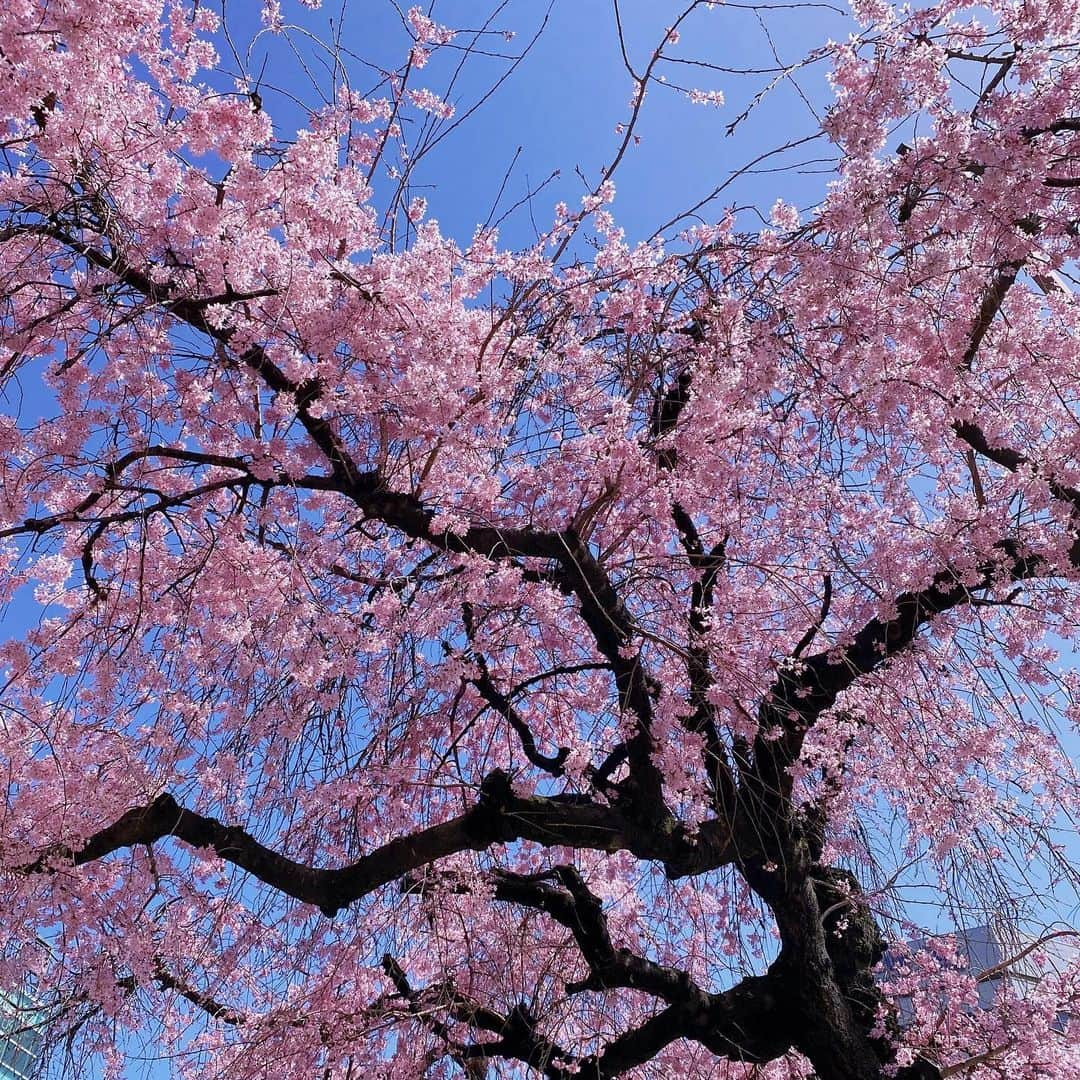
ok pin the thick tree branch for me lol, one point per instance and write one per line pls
(562, 893)
(804, 690)
(746, 1023)
(992, 300)
(500, 816)
(1013, 460)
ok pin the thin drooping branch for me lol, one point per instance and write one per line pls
(38, 526)
(707, 565)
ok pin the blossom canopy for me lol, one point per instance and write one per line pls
(578, 658)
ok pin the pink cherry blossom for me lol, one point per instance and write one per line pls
(435, 658)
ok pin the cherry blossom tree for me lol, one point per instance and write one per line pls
(457, 660)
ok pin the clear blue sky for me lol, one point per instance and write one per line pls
(562, 104)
